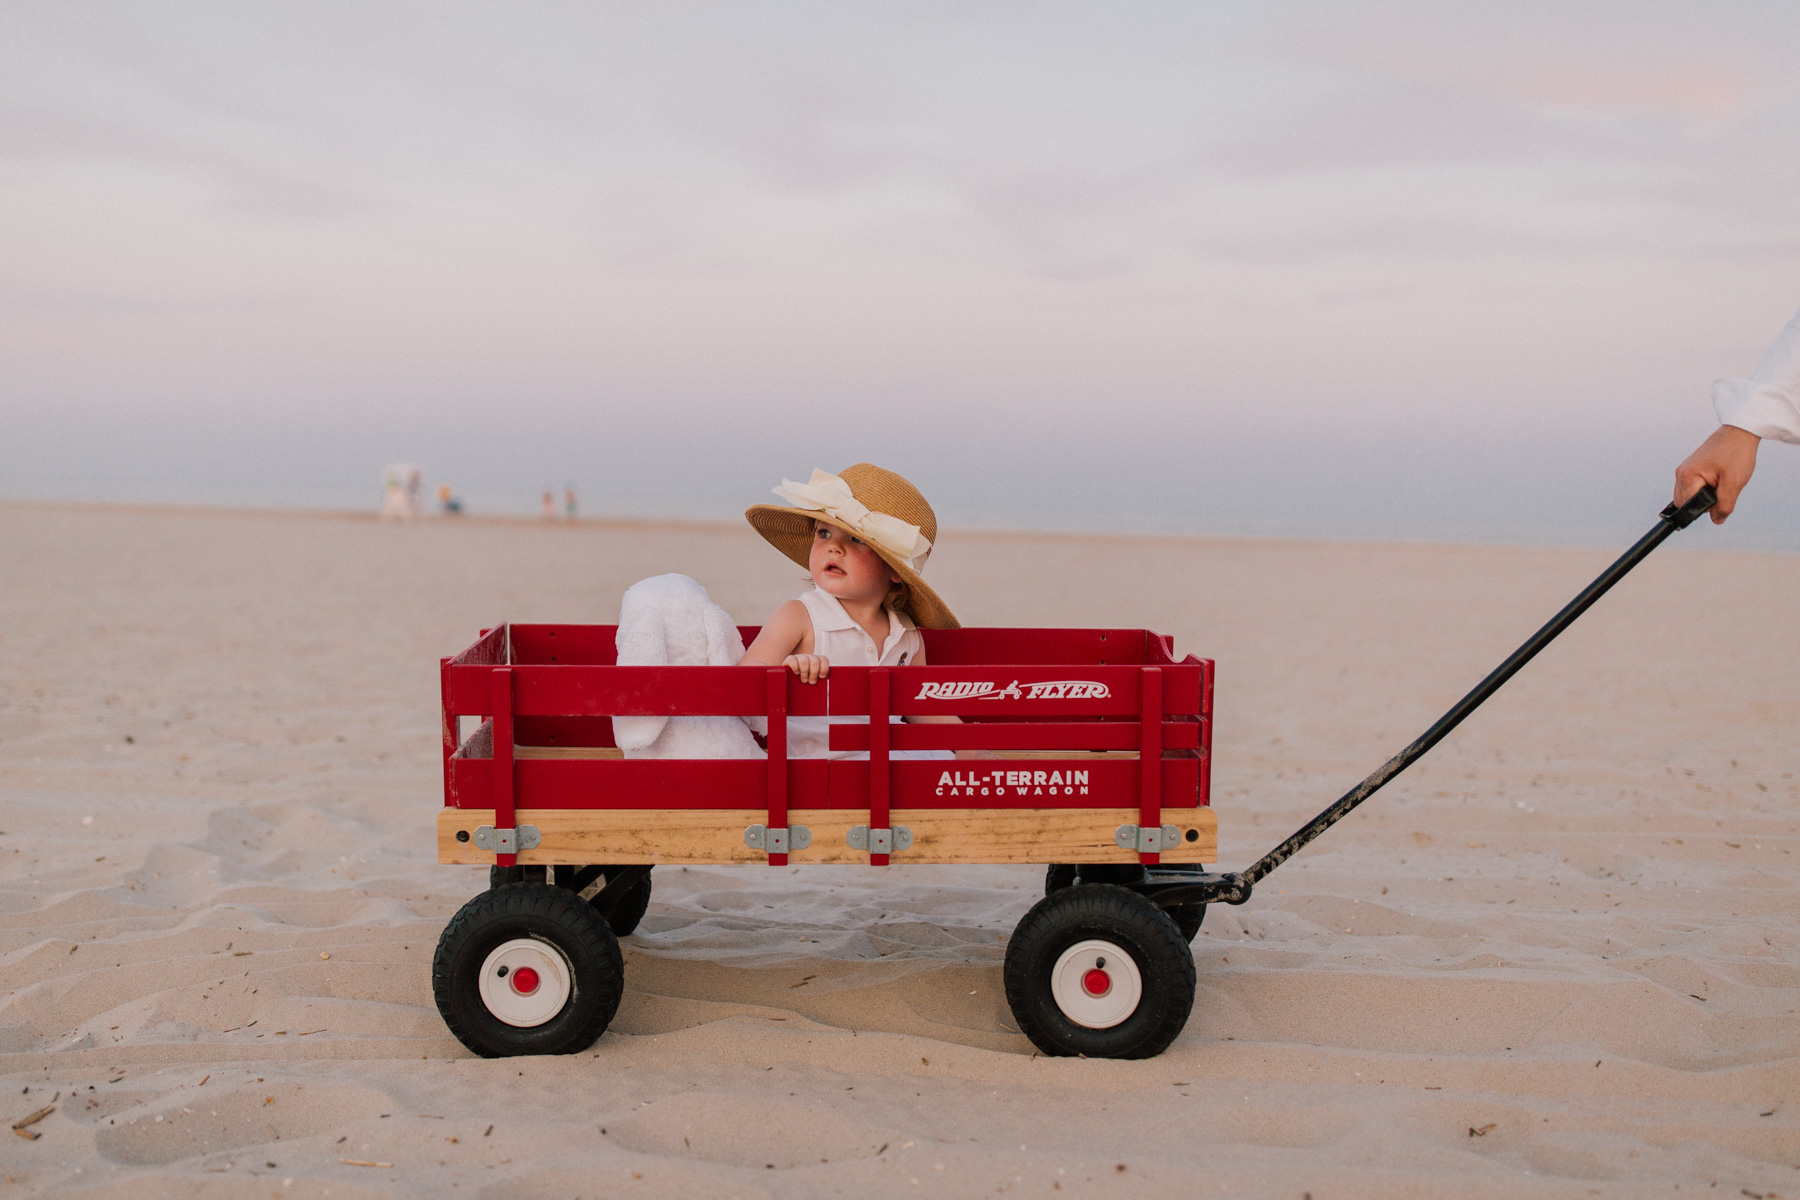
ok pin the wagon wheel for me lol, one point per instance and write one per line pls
(1099, 970)
(1187, 917)
(527, 969)
(622, 909)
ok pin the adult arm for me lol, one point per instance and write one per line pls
(1767, 405)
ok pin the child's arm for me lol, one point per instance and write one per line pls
(787, 640)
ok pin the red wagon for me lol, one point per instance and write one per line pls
(1095, 759)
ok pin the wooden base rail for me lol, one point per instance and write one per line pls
(940, 835)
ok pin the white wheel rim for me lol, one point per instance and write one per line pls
(542, 969)
(1096, 984)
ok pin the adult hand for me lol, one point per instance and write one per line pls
(1726, 460)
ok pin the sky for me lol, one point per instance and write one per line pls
(1352, 270)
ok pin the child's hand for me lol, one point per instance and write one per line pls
(809, 667)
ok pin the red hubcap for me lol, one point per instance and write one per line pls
(1096, 982)
(525, 981)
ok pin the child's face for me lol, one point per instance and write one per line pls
(844, 567)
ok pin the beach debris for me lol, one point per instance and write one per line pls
(22, 1127)
(87, 820)
(1483, 1131)
(363, 1162)
(323, 957)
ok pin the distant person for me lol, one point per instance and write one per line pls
(569, 501)
(400, 488)
(448, 504)
(549, 506)
(1766, 405)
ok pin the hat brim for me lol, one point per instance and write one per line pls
(790, 530)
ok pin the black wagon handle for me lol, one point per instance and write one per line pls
(1234, 887)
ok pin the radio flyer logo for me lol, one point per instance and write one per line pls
(1022, 783)
(1055, 689)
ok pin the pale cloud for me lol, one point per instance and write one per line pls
(1211, 220)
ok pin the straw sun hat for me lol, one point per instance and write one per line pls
(881, 508)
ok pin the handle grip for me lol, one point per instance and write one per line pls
(1683, 515)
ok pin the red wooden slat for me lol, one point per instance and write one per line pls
(579, 645)
(954, 647)
(489, 649)
(1011, 783)
(877, 732)
(1150, 759)
(446, 721)
(743, 784)
(1008, 690)
(1206, 732)
(628, 691)
(501, 680)
(1060, 735)
(563, 731)
(775, 685)
(594, 645)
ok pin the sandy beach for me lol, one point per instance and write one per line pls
(1557, 959)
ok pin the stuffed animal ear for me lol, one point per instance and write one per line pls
(724, 645)
(641, 641)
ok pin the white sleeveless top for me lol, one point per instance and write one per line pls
(844, 643)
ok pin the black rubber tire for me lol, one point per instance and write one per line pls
(628, 910)
(1133, 923)
(549, 914)
(1187, 918)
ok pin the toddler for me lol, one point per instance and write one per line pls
(863, 536)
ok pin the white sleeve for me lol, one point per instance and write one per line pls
(1768, 403)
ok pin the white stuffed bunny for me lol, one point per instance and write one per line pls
(670, 621)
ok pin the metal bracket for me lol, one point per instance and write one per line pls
(1147, 839)
(880, 841)
(777, 841)
(508, 841)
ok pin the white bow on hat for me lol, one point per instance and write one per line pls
(828, 494)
